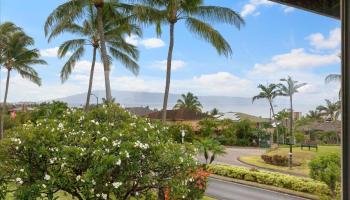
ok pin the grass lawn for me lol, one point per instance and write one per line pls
(302, 156)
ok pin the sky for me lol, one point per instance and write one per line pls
(275, 42)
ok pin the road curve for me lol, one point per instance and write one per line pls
(224, 190)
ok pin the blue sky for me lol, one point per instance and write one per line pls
(275, 42)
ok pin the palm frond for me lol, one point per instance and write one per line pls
(70, 64)
(208, 33)
(219, 14)
(70, 45)
(333, 78)
(125, 59)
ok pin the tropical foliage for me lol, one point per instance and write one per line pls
(326, 168)
(330, 110)
(114, 32)
(269, 92)
(197, 18)
(17, 55)
(210, 149)
(71, 11)
(189, 101)
(104, 154)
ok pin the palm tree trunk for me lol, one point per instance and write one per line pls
(291, 139)
(4, 104)
(168, 71)
(104, 52)
(272, 119)
(91, 79)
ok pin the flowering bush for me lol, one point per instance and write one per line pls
(104, 154)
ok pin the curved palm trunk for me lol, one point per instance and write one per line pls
(104, 52)
(91, 79)
(291, 139)
(4, 104)
(168, 71)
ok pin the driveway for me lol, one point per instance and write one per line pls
(223, 190)
(233, 153)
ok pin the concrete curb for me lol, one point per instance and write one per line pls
(266, 187)
(272, 170)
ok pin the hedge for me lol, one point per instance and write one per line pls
(298, 184)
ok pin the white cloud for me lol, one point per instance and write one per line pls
(319, 41)
(288, 9)
(251, 7)
(176, 65)
(151, 43)
(148, 43)
(51, 52)
(295, 59)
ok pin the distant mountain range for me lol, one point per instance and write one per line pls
(155, 100)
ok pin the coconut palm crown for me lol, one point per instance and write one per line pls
(71, 11)
(269, 92)
(190, 102)
(330, 110)
(197, 18)
(114, 33)
(17, 55)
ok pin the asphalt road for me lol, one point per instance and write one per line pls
(223, 190)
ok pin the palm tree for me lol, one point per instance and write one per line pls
(215, 112)
(76, 10)
(282, 117)
(330, 110)
(189, 101)
(210, 148)
(269, 92)
(197, 18)
(115, 40)
(334, 78)
(289, 89)
(6, 29)
(314, 115)
(18, 56)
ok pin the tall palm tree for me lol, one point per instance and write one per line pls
(76, 10)
(114, 33)
(18, 56)
(290, 88)
(269, 92)
(6, 29)
(330, 110)
(198, 19)
(189, 101)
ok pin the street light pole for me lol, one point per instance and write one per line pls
(96, 98)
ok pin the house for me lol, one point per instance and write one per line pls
(181, 116)
(140, 111)
(238, 116)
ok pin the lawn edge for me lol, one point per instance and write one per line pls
(266, 187)
(272, 170)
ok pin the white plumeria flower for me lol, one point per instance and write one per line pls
(104, 139)
(19, 180)
(78, 178)
(104, 196)
(47, 177)
(21, 170)
(44, 186)
(119, 162)
(116, 185)
(93, 182)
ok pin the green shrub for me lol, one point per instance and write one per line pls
(175, 131)
(102, 154)
(299, 184)
(299, 137)
(326, 168)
